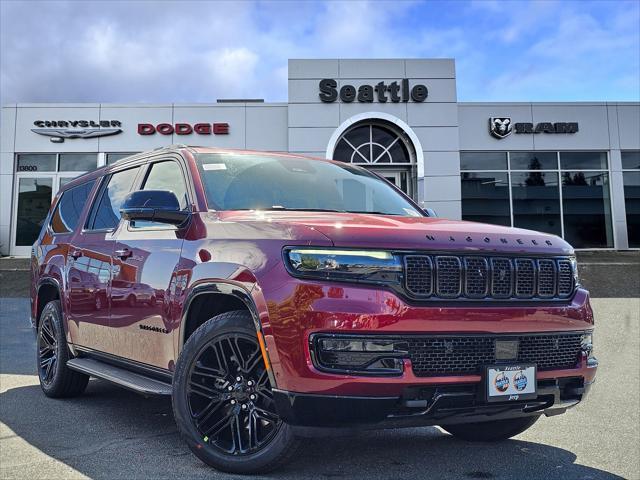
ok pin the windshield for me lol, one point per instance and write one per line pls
(264, 182)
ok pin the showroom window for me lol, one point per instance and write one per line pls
(114, 157)
(631, 180)
(563, 193)
(52, 162)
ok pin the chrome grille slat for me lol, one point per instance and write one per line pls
(487, 277)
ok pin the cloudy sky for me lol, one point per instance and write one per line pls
(163, 51)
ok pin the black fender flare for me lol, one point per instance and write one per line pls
(228, 289)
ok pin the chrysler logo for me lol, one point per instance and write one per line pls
(61, 129)
(500, 127)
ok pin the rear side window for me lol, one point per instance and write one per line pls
(67, 213)
(105, 213)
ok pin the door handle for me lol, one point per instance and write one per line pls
(75, 254)
(124, 253)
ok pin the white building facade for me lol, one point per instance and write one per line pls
(572, 169)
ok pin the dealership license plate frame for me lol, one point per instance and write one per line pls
(511, 394)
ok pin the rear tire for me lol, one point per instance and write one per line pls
(222, 399)
(491, 431)
(52, 352)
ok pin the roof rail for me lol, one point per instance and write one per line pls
(174, 145)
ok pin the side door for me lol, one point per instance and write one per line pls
(90, 264)
(145, 260)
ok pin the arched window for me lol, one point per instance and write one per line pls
(374, 142)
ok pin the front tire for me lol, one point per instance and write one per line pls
(56, 379)
(222, 399)
(491, 431)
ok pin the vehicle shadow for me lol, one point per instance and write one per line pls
(113, 433)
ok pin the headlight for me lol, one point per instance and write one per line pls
(586, 345)
(574, 269)
(369, 266)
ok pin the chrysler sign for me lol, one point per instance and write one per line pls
(59, 130)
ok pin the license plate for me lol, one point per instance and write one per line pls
(510, 382)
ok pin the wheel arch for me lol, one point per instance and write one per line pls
(227, 297)
(48, 289)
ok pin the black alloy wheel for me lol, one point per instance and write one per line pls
(57, 380)
(229, 396)
(223, 402)
(47, 349)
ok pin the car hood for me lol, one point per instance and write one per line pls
(413, 233)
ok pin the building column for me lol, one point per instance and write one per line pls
(618, 207)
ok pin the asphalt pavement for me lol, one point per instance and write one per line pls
(111, 433)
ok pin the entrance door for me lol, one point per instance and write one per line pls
(39, 176)
(33, 198)
(400, 178)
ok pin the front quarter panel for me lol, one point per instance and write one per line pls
(231, 256)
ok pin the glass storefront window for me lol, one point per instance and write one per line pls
(536, 201)
(78, 162)
(483, 160)
(36, 162)
(34, 199)
(586, 206)
(114, 157)
(533, 160)
(631, 160)
(631, 180)
(562, 193)
(632, 205)
(485, 197)
(583, 161)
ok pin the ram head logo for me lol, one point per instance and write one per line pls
(500, 127)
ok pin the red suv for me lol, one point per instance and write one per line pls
(275, 296)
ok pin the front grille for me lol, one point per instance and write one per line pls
(466, 355)
(449, 275)
(476, 277)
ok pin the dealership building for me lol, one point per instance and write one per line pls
(568, 168)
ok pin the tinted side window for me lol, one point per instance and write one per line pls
(168, 176)
(105, 213)
(67, 214)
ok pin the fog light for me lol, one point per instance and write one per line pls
(369, 356)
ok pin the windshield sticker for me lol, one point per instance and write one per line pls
(214, 166)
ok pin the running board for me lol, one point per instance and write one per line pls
(124, 378)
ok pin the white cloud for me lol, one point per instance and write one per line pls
(199, 51)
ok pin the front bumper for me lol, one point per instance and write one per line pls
(442, 404)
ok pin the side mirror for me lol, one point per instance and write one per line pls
(153, 206)
(430, 212)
